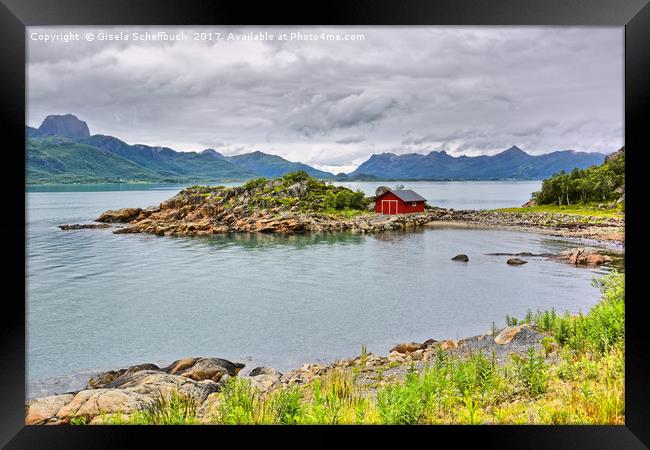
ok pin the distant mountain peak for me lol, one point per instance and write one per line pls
(212, 152)
(514, 150)
(66, 125)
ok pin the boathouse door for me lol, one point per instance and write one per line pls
(389, 206)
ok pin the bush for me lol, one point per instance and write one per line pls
(296, 177)
(401, 404)
(287, 406)
(345, 199)
(532, 372)
(239, 404)
(255, 183)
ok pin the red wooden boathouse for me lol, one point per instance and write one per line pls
(399, 202)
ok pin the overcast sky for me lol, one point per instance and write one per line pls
(331, 104)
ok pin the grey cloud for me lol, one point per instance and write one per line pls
(351, 140)
(324, 113)
(474, 90)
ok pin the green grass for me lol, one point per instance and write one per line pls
(580, 210)
(585, 384)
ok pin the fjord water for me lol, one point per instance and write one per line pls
(97, 300)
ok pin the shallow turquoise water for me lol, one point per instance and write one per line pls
(96, 300)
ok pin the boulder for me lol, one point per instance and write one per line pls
(44, 410)
(407, 347)
(209, 408)
(584, 255)
(304, 374)
(429, 343)
(119, 215)
(297, 189)
(203, 368)
(95, 402)
(597, 259)
(105, 378)
(153, 383)
(462, 257)
(516, 262)
(508, 333)
(449, 344)
(529, 204)
(265, 378)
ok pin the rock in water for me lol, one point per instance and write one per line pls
(585, 255)
(66, 125)
(407, 347)
(461, 257)
(119, 215)
(83, 226)
(516, 262)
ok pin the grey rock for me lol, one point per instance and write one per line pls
(516, 262)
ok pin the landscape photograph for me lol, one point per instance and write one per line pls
(341, 225)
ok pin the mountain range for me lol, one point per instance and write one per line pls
(62, 150)
(512, 163)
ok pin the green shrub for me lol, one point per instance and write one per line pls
(296, 177)
(287, 407)
(401, 404)
(255, 183)
(532, 371)
(79, 420)
(239, 403)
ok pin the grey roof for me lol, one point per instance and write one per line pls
(407, 195)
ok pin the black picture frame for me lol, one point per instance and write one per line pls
(15, 15)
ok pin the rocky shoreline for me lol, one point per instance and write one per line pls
(298, 203)
(556, 224)
(188, 216)
(166, 224)
(125, 391)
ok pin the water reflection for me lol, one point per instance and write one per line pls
(266, 240)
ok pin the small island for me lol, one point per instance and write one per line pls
(293, 203)
(299, 203)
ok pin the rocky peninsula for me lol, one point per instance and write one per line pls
(297, 203)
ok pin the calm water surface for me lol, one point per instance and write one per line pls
(96, 300)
